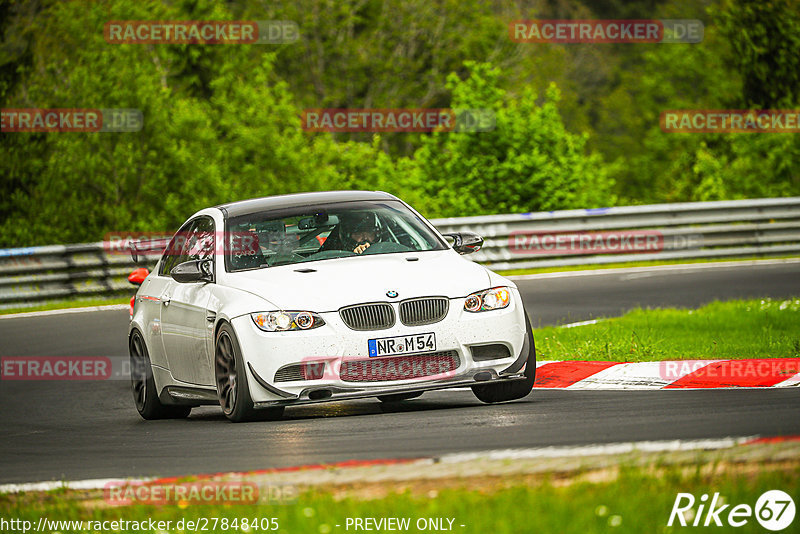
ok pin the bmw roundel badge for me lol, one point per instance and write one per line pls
(391, 294)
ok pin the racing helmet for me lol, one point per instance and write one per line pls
(356, 223)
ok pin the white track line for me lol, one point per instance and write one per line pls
(96, 483)
(594, 450)
(580, 323)
(45, 313)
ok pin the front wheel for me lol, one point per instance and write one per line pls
(511, 390)
(143, 386)
(231, 378)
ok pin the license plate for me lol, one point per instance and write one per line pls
(389, 346)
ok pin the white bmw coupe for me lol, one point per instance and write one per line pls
(316, 297)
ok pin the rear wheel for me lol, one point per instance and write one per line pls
(231, 379)
(143, 386)
(512, 389)
(398, 397)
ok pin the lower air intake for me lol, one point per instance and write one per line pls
(490, 352)
(400, 367)
(300, 371)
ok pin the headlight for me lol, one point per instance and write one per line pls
(281, 321)
(488, 299)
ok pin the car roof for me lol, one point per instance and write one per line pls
(296, 200)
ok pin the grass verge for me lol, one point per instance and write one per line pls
(737, 329)
(629, 499)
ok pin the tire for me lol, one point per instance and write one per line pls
(512, 389)
(398, 397)
(231, 380)
(143, 386)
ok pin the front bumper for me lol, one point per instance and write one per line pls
(334, 343)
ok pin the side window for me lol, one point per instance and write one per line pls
(194, 241)
(200, 245)
(173, 251)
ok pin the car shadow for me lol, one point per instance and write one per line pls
(362, 407)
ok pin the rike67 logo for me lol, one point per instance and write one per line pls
(774, 510)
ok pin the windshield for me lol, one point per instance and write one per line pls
(311, 233)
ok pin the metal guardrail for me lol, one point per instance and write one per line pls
(39, 274)
(726, 229)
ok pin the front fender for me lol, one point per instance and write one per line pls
(229, 303)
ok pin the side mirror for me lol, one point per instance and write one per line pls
(137, 276)
(192, 271)
(466, 242)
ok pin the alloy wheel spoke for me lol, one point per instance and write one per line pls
(222, 364)
(138, 372)
(226, 373)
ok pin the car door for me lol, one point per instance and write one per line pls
(185, 325)
(148, 298)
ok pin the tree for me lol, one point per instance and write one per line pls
(765, 49)
(530, 162)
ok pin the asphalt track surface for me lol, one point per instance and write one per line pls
(74, 430)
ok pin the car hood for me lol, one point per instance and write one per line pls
(340, 282)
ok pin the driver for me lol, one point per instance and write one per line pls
(358, 230)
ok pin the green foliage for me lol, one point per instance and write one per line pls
(529, 162)
(675, 167)
(577, 125)
(243, 140)
(765, 50)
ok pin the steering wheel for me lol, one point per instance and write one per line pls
(383, 247)
(328, 254)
